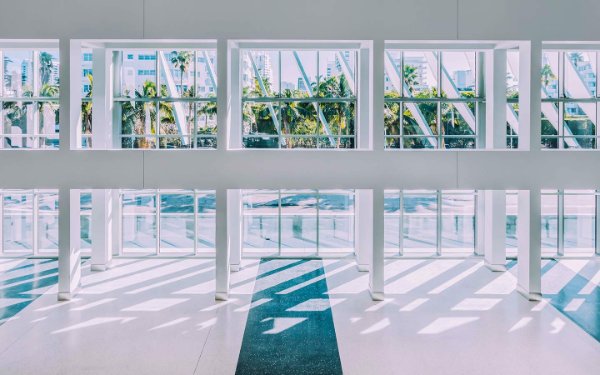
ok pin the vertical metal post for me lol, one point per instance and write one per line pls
(2, 220)
(279, 222)
(35, 217)
(597, 222)
(157, 213)
(196, 233)
(318, 220)
(560, 217)
(438, 228)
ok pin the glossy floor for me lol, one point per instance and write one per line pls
(158, 316)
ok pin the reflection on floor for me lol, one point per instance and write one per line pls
(290, 328)
(22, 281)
(571, 285)
(443, 316)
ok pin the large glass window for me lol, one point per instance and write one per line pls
(299, 98)
(166, 98)
(569, 99)
(428, 222)
(30, 222)
(167, 221)
(29, 96)
(301, 222)
(431, 99)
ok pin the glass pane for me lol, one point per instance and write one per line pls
(420, 222)
(47, 238)
(48, 124)
(580, 121)
(206, 74)
(392, 72)
(512, 74)
(579, 223)
(299, 221)
(177, 70)
(391, 119)
(49, 73)
(338, 120)
(176, 122)
(177, 232)
(300, 118)
(458, 222)
(549, 125)
(420, 74)
(420, 119)
(260, 118)
(298, 73)
(86, 220)
(261, 220)
(392, 221)
(580, 74)
(137, 78)
(459, 73)
(138, 122)
(458, 122)
(512, 206)
(206, 123)
(18, 222)
(549, 223)
(206, 220)
(337, 74)
(549, 74)
(18, 73)
(139, 222)
(18, 124)
(336, 221)
(260, 74)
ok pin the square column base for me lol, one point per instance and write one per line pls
(100, 267)
(377, 296)
(531, 296)
(67, 296)
(235, 267)
(221, 296)
(495, 267)
(362, 267)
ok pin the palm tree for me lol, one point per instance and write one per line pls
(46, 65)
(181, 60)
(576, 57)
(547, 75)
(411, 77)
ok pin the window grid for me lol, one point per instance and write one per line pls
(409, 108)
(569, 114)
(278, 104)
(163, 106)
(29, 114)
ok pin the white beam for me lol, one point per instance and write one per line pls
(222, 247)
(234, 227)
(530, 97)
(363, 220)
(495, 230)
(376, 271)
(102, 229)
(529, 263)
(69, 237)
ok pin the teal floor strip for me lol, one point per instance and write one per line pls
(23, 284)
(290, 325)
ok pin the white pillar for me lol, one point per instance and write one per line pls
(480, 222)
(102, 229)
(222, 248)
(597, 223)
(495, 98)
(377, 94)
(376, 274)
(363, 220)
(69, 237)
(530, 97)
(102, 94)
(223, 103)
(529, 264)
(234, 227)
(495, 230)
(363, 131)
(70, 82)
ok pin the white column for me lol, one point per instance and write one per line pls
(495, 98)
(597, 222)
(377, 95)
(222, 249)
(102, 131)
(495, 230)
(234, 107)
(117, 227)
(529, 264)
(102, 229)
(376, 274)
(363, 220)
(234, 227)
(363, 131)
(480, 222)
(70, 82)
(69, 237)
(530, 97)
(223, 103)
